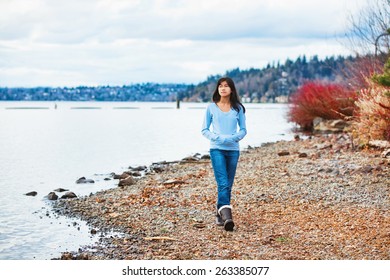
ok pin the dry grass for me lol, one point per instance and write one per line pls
(372, 120)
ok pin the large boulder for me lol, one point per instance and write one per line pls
(329, 126)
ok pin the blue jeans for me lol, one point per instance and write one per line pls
(224, 165)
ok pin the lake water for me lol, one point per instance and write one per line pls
(43, 148)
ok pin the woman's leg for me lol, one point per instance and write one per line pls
(231, 167)
(224, 166)
(219, 163)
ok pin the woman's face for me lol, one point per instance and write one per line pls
(224, 90)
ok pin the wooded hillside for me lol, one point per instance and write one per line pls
(274, 83)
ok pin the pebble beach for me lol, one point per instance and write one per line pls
(306, 199)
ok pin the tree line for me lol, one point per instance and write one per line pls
(273, 83)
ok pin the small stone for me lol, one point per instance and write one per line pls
(386, 153)
(283, 153)
(138, 168)
(33, 193)
(69, 195)
(52, 196)
(66, 256)
(173, 181)
(383, 144)
(323, 146)
(190, 159)
(127, 182)
(83, 180)
(82, 257)
(367, 169)
(157, 169)
(199, 225)
(61, 190)
(124, 175)
(136, 174)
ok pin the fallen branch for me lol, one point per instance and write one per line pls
(159, 238)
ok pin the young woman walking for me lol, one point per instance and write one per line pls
(226, 115)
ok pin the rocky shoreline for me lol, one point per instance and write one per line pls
(317, 198)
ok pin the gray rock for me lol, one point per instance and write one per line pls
(136, 174)
(83, 180)
(208, 156)
(61, 190)
(33, 193)
(127, 182)
(190, 159)
(52, 196)
(69, 195)
(138, 168)
(124, 175)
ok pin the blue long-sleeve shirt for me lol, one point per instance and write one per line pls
(225, 134)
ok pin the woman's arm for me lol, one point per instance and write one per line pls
(242, 124)
(206, 126)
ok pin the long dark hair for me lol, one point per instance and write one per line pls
(234, 98)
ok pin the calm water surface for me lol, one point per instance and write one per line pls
(43, 148)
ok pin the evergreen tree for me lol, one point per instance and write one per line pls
(384, 79)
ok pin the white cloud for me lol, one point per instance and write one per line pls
(66, 43)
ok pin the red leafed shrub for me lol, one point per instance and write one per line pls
(318, 99)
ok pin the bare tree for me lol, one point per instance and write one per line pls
(367, 30)
(368, 38)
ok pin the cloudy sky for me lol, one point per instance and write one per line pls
(117, 42)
